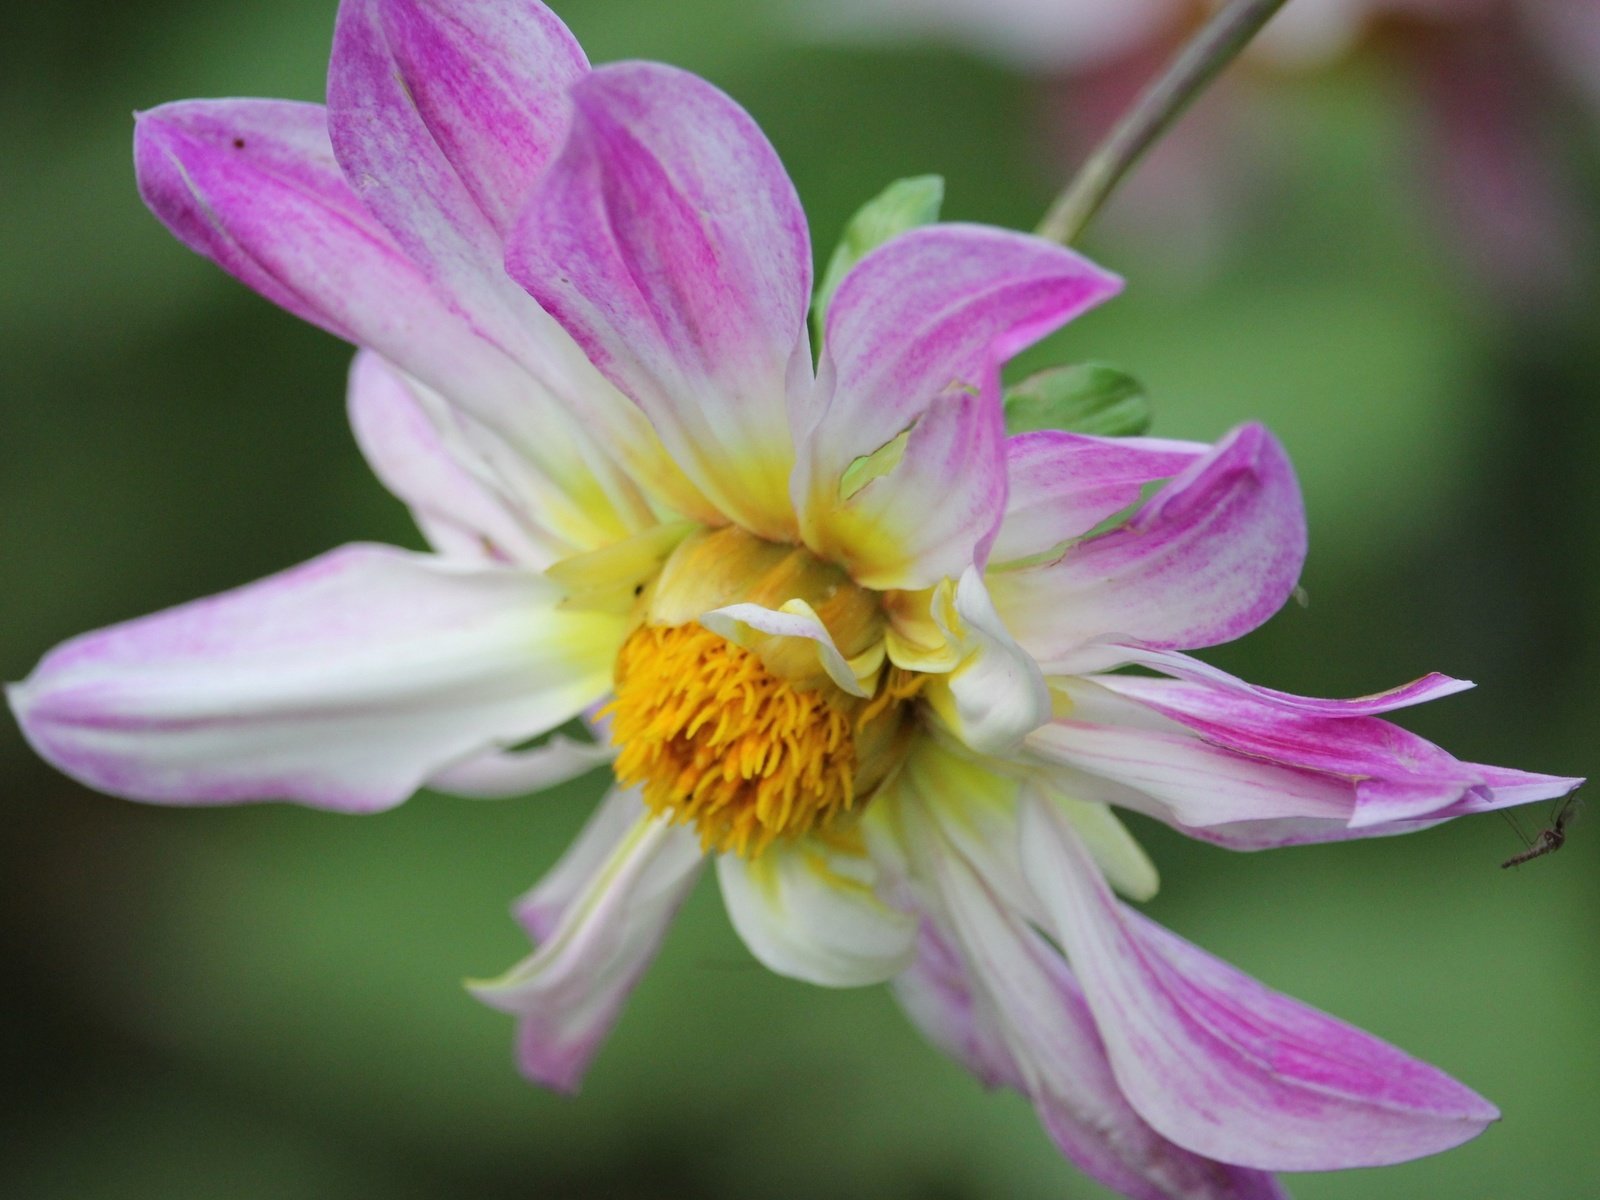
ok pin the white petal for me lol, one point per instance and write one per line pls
(344, 683)
(569, 993)
(809, 911)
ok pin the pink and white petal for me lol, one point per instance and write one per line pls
(1432, 686)
(541, 909)
(1016, 1015)
(1212, 555)
(809, 910)
(344, 683)
(445, 116)
(669, 242)
(915, 338)
(414, 444)
(568, 994)
(1218, 1062)
(932, 310)
(253, 185)
(1061, 485)
(934, 512)
(1159, 767)
(1362, 748)
(448, 114)
(955, 1016)
(501, 774)
(793, 629)
(995, 694)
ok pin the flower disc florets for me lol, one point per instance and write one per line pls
(752, 742)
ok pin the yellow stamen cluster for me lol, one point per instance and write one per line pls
(712, 736)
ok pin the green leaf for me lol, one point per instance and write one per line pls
(904, 204)
(1088, 398)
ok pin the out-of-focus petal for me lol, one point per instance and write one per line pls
(541, 908)
(1221, 1064)
(568, 994)
(1061, 485)
(499, 774)
(344, 683)
(669, 242)
(808, 909)
(994, 695)
(415, 444)
(916, 334)
(1212, 555)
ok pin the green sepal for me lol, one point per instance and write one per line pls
(1088, 398)
(904, 204)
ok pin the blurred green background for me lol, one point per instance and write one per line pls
(266, 1003)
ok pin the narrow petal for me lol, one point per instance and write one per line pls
(1250, 771)
(568, 994)
(253, 185)
(1210, 557)
(1221, 1064)
(1432, 686)
(344, 683)
(669, 242)
(1061, 485)
(916, 334)
(808, 910)
(991, 991)
(499, 774)
(541, 909)
(994, 695)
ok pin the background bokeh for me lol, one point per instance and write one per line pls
(266, 1002)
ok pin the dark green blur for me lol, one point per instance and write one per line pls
(266, 1002)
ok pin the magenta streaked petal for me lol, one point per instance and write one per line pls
(344, 683)
(568, 994)
(444, 117)
(1160, 768)
(253, 185)
(1222, 1064)
(951, 1012)
(415, 445)
(1432, 686)
(446, 114)
(1061, 485)
(500, 774)
(916, 335)
(669, 242)
(1212, 555)
(993, 993)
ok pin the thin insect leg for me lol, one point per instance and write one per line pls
(1516, 827)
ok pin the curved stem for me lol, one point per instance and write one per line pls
(1161, 103)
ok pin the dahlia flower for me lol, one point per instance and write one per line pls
(850, 644)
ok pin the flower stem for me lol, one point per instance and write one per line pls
(1160, 104)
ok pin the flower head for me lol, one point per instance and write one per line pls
(848, 640)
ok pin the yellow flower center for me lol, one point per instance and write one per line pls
(714, 738)
(752, 740)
